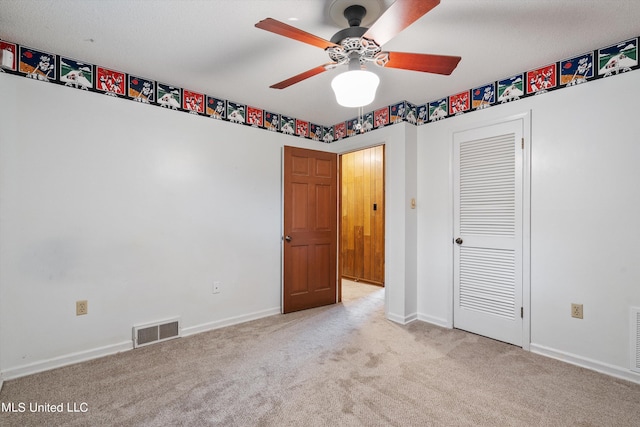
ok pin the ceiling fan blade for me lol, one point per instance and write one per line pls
(397, 17)
(277, 27)
(438, 64)
(303, 76)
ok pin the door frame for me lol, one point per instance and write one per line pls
(384, 195)
(526, 217)
(338, 210)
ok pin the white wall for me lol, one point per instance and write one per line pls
(134, 208)
(584, 219)
(138, 210)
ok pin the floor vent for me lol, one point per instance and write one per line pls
(152, 333)
(635, 339)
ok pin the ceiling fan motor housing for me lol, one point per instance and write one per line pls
(352, 44)
(354, 14)
(351, 32)
(358, 47)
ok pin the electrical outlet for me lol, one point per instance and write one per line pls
(82, 307)
(216, 287)
(576, 311)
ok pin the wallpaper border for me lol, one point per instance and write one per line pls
(39, 65)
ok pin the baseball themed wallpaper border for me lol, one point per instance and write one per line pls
(44, 66)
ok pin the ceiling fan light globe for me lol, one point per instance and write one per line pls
(355, 88)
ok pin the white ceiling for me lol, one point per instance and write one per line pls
(212, 46)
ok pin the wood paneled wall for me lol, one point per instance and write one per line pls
(362, 215)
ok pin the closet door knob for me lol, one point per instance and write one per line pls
(459, 241)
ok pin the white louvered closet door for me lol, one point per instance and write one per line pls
(488, 168)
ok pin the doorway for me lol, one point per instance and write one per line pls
(312, 188)
(362, 211)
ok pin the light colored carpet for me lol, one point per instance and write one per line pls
(341, 365)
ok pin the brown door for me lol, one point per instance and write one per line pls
(310, 228)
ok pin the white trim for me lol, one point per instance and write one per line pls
(230, 321)
(282, 231)
(438, 321)
(594, 365)
(403, 320)
(526, 230)
(451, 249)
(83, 356)
(526, 217)
(634, 339)
(352, 149)
(69, 359)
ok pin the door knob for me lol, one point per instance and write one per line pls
(459, 241)
(287, 238)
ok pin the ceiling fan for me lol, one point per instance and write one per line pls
(358, 45)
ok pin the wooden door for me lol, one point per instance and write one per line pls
(362, 215)
(310, 229)
(488, 231)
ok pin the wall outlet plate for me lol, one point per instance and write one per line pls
(576, 311)
(82, 307)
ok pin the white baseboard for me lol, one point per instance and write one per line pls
(396, 318)
(83, 356)
(69, 359)
(229, 321)
(594, 365)
(403, 320)
(438, 321)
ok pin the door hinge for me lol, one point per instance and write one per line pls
(522, 143)
(522, 312)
